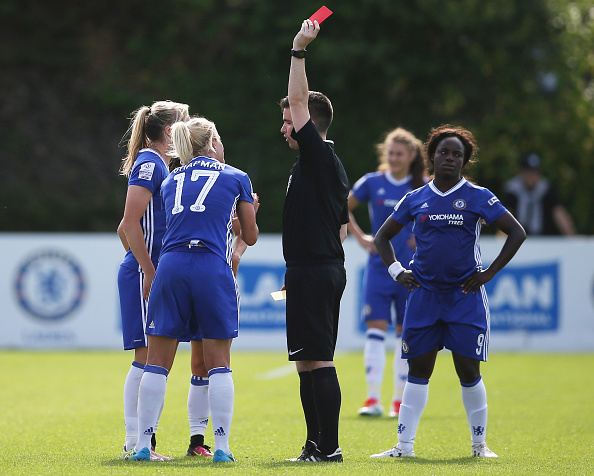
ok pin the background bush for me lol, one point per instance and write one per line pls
(518, 74)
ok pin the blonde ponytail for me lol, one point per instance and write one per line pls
(137, 141)
(148, 125)
(182, 144)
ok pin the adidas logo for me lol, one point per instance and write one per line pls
(152, 325)
(150, 431)
(219, 431)
(425, 205)
(204, 422)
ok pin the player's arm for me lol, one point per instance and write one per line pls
(246, 212)
(122, 236)
(298, 87)
(239, 246)
(137, 201)
(384, 247)
(516, 235)
(343, 232)
(563, 220)
(365, 240)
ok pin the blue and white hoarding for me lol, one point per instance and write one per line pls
(59, 291)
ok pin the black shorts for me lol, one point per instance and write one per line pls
(313, 306)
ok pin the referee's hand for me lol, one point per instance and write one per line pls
(306, 34)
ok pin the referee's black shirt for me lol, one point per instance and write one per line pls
(316, 202)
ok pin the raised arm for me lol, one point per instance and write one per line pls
(298, 88)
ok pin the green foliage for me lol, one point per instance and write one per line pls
(62, 414)
(518, 74)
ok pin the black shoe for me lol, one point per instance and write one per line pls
(316, 457)
(306, 451)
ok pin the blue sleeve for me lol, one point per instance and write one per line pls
(361, 189)
(246, 189)
(490, 207)
(401, 211)
(148, 174)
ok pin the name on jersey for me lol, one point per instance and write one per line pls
(208, 164)
(451, 218)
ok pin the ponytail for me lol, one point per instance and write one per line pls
(138, 139)
(182, 144)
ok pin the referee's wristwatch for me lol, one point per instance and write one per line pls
(298, 53)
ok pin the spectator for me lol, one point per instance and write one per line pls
(533, 201)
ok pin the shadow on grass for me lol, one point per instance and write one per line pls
(465, 461)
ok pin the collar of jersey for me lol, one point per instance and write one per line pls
(390, 178)
(451, 190)
(148, 149)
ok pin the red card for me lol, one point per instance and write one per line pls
(321, 15)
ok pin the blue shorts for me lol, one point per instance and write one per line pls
(380, 293)
(194, 295)
(133, 307)
(456, 321)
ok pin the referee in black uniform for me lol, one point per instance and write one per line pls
(314, 225)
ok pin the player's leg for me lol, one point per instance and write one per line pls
(468, 338)
(376, 314)
(169, 303)
(151, 395)
(215, 299)
(400, 367)
(221, 394)
(131, 386)
(421, 342)
(133, 310)
(198, 406)
(374, 359)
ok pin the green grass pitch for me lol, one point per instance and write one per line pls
(61, 413)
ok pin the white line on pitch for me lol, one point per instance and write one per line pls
(277, 373)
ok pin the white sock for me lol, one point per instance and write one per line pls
(131, 386)
(400, 370)
(374, 358)
(198, 407)
(475, 404)
(151, 397)
(414, 401)
(220, 397)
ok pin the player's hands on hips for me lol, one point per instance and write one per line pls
(407, 278)
(147, 283)
(306, 34)
(367, 243)
(256, 201)
(473, 283)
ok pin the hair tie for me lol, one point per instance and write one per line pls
(149, 111)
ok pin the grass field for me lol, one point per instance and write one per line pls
(62, 413)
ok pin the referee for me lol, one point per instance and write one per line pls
(314, 225)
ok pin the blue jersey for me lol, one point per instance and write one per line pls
(447, 229)
(149, 171)
(200, 201)
(382, 192)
